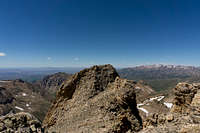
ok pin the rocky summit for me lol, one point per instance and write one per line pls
(94, 100)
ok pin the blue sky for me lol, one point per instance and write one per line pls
(61, 33)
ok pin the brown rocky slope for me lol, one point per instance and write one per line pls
(94, 100)
(184, 116)
(20, 96)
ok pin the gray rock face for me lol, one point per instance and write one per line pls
(52, 82)
(49, 85)
(94, 100)
(20, 123)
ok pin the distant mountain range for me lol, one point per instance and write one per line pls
(161, 77)
(160, 72)
(158, 76)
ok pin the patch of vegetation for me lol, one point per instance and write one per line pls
(162, 84)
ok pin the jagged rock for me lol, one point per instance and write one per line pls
(184, 116)
(5, 96)
(155, 120)
(49, 85)
(196, 99)
(6, 99)
(52, 82)
(94, 100)
(184, 94)
(20, 123)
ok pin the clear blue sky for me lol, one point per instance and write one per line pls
(41, 33)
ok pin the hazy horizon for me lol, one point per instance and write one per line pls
(82, 67)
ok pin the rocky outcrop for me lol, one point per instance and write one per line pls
(184, 94)
(196, 99)
(184, 116)
(94, 100)
(52, 82)
(5, 96)
(6, 99)
(20, 123)
(49, 85)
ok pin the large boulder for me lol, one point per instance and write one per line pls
(94, 100)
(184, 94)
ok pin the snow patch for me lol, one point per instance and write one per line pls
(169, 105)
(159, 98)
(144, 110)
(4, 81)
(19, 108)
(140, 104)
(24, 94)
(138, 88)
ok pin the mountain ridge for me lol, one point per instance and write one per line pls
(162, 77)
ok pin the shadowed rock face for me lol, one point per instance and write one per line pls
(6, 100)
(50, 83)
(94, 100)
(5, 96)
